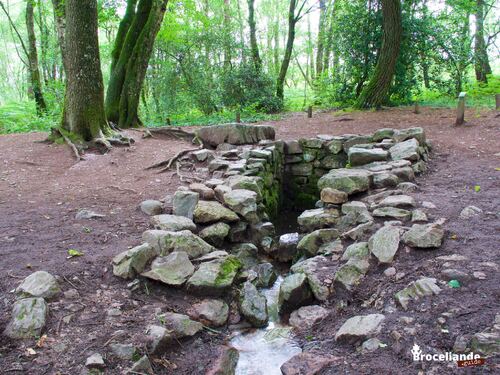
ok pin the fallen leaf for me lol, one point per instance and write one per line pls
(477, 188)
(30, 351)
(74, 253)
(41, 341)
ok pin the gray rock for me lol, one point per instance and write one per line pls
(404, 174)
(318, 218)
(301, 169)
(217, 254)
(123, 351)
(215, 233)
(215, 277)
(253, 305)
(203, 190)
(334, 196)
(425, 286)
(218, 164)
(396, 213)
(202, 155)
(319, 271)
(407, 150)
(184, 203)
(335, 146)
(173, 269)
(454, 274)
(165, 242)
(211, 212)
(172, 223)
(151, 207)
(390, 272)
(307, 316)
(424, 236)
(312, 242)
(28, 318)
(84, 214)
(292, 148)
(131, 262)
(308, 364)
(354, 206)
(371, 345)
(400, 201)
(235, 134)
(407, 187)
(238, 232)
(360, 156)
(39, 284)
(385, 243)
(404, 134)
(359, 232)
(333, 247)
(95, 361)
(469, 212)
(357, 250)
(287, 247)
(356, 140)
(226, 362)
(143, 365)
(381, 134)
(266, 275)
(385, 180)
(246, 183)
(294, 293)
(350, 274)
(348, 180)
(246, 254)
(212, 312)
(418, 215)
(175, 327)
(360, 328)
(243, 202)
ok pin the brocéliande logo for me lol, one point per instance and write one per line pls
(463, 360)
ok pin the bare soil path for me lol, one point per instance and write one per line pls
(42, 188)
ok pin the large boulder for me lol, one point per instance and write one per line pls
(360, 328)
(307, 316)
(424, 236)
(39, 284)
(361, 156)
(235, 134)
(318, 218)
(172, 223)
(211, 212)
(385, 243)
(347, 180)
(131, 262)
(165, 242)
(253, 305)
(294, 292)
(28, 318)
(215, 277)
(407, 150)
(174, 269)
(425, 286)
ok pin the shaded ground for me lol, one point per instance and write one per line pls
(41, 189)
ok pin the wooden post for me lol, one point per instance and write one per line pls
(310, 111)
(461, 109)
(416, 110)
(497, 102)
(238, 117)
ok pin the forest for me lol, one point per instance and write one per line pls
(194, 62)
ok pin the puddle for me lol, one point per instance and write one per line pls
(263, 351)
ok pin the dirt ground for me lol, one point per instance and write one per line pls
(42, 188)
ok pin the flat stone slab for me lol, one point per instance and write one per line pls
(215, 277)
(172, 223)
(173, 269)
(425, 286)
(318, 218)
(165, 242)
(235, 134)
(306, 316)
(359, 328)
(347, 180)
(385, 243)
(360, 156)
(424, 236)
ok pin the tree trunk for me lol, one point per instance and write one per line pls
(227, 35)
(133, 47)
(321, 38)
(292, 20)
(375, 93)
(36, 84)
(84, 105)
(60, 21)
(482, 64)
(254, 47)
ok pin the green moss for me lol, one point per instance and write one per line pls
(228, 269)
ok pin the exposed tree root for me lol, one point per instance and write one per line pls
(73, 147)
(183, 177)
(167, 164)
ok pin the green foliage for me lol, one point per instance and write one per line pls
(21, 117)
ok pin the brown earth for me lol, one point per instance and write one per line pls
(42, 188)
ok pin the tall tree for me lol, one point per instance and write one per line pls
(133, 48)
(320, 47)
(60, 22)
(36, 84)
(254, 47)
(295, 13)
(482, 65)
(375, 92)
(84, 113)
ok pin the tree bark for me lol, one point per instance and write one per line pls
(482, 65)
(375, 93)
(227, 35)
(254, 47)
(84, 105)
(292, 21)
(321, 38)
(36, 84)
(60, 21)
(131, 53)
